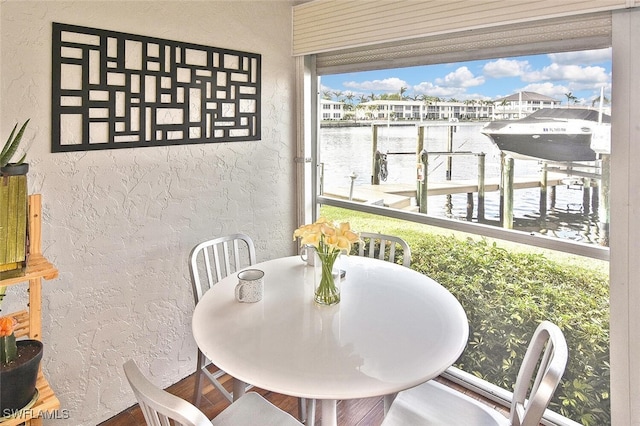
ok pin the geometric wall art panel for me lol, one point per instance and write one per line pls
(118, 90)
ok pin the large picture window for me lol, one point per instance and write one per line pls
(453, 128)
(534, 132)
(382, 36)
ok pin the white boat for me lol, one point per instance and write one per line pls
(553, 134)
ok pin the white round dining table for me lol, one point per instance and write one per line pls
(393, 329)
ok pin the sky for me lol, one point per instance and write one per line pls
(581, 74)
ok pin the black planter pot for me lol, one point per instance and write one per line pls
(18, 382)
(15, 169)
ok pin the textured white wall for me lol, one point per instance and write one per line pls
(119, 224)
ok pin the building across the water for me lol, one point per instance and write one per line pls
(514, 106)
(331, 110)
(425, 110)
(522, 104)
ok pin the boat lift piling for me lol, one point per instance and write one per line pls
(586, 195)
(423, 181)
(419, 168)
(481, 175)
(543, 191)
(507, 184)
(422, 160)
(603, 205)
(596, 185)
(449, 205)
(594, 195)
(375, 167)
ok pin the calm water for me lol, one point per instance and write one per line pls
(347, 150)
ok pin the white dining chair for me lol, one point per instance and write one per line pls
(211, 261)
(159, 407)
(376, 245)
(433, 403)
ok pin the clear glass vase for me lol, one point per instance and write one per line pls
(327, 278)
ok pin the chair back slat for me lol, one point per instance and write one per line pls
(433, 403)
(392, 248)
(548, 352)
(207, 263)
(383, 247)
(217, 258)
(160, 408)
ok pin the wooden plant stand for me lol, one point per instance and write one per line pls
(30, 319)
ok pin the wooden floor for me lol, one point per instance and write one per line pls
(356, 412)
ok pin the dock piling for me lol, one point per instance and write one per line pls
(419, 148)
(375, 177)
(449, 149)
(586, 196)
(603, 209)
(353, 177)
(507, 213)
(422, 193)
(543, 191)
(481, 174)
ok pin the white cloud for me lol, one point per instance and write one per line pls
(475, 96)
(574, 73)
(391, 84)
(424, 87)
(584, 57)
(428, 88)
(581, 73)
(461, 77)
(505, 68)
(549, 89)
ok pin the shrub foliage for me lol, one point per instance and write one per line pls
(505, 295)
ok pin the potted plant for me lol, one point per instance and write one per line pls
(13, 207)
(19, 365)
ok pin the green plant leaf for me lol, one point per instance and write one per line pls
(11, 146)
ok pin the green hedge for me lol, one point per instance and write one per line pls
(505, 294)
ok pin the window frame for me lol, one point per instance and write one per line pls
(624, 198)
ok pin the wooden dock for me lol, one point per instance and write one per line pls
(398, 195)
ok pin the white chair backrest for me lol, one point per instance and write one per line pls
(159, 406)
(211, 261)
(530, 399)
(368, 247)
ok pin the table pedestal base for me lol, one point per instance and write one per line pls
(329, 412)
(388, 399)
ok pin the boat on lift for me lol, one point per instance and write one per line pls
(553, 134)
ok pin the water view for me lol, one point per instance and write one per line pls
(347, 151)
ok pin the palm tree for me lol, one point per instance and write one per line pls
(605, 100)
(349, 96)
(570, 98)
(349, 105)
(490, 107)
(466, 103)
(473, 104)
(430, 100)
(403, 89)
(503, 104)
(360, 107)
